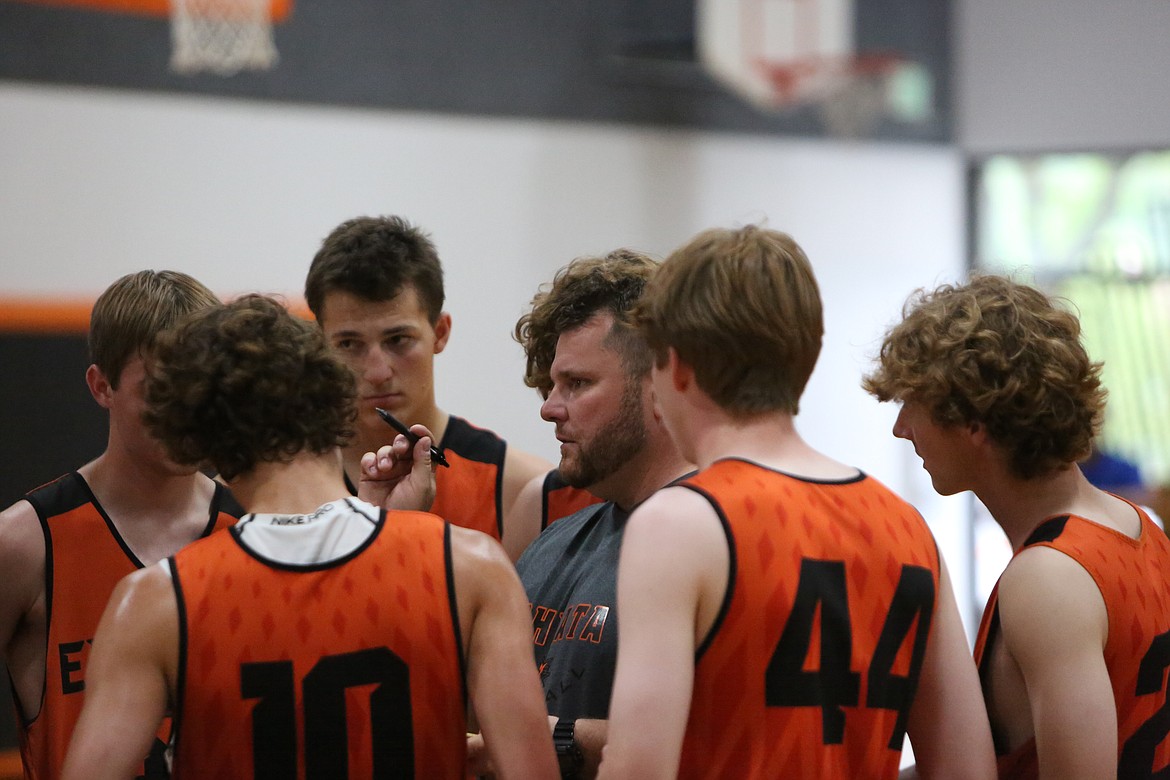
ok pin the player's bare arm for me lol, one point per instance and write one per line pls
(1054, 626)
(22, 603)
(520, 469)
(131, 673)
(948, 725)
(522, 523)
(501, 678)
(671, 580)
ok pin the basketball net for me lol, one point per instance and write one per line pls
(221, 36)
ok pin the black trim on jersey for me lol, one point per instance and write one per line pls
(70, 500)
(985, 670)
(861, 475)
(348, 483)
(453, 604)
(379, 523)
(101, 510)
(724, 607)
(64, 494)
(181, 674)
(1048, 531)
(222, 503)
(482, 446)
(552, 483)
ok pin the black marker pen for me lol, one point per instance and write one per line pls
(411, 437)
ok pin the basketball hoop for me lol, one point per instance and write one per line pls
(783, 53)
(850, 93)
(221, 36)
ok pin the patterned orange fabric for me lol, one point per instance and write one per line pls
(560, 499)
(85, 558)
(469, 493)
(1133, 576)
(343, 669)
(811, 667)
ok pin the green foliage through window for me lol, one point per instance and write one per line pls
(1095, 229)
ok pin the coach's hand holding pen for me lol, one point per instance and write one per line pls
(400, 474)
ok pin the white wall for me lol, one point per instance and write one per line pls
(1062, 74)
(99, 183)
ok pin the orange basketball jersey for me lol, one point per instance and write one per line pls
(84, 558)
(1133, 576)
(347, 668)
(559, 499)
(470, 492)
(811, 665)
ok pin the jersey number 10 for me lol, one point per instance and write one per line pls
(274, 723)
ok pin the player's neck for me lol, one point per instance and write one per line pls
(128, 487)
(155, 512)
(1019, 506)
(655, 466)
(769, 439)
(297, 487)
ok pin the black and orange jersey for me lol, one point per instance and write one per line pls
(351, 667)
(560, 499)
(1133, 576)
(470, 492)
(85, 557)
(811, 665)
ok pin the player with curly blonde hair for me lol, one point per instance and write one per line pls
(1001, 354)
(1000, 397)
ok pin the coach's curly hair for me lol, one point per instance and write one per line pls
(1002, 354)
(247, 383)
(583, 288)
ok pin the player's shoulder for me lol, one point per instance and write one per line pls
(22, 540)
(1042, 585)
(475, 548)
(680, 495)
(64, 494)
(522, 467)
(479, 564)
(149, 582)
(143, 603)
(677, 513)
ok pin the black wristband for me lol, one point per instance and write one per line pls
(569, 755)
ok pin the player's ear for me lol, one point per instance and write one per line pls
(442, 331)
(681, 373)
(99, 386)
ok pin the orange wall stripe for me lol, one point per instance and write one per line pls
(10, 766)
(38, 315)
(31, 315)
(280, 9)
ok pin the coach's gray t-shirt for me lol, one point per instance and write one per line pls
(570, 575)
